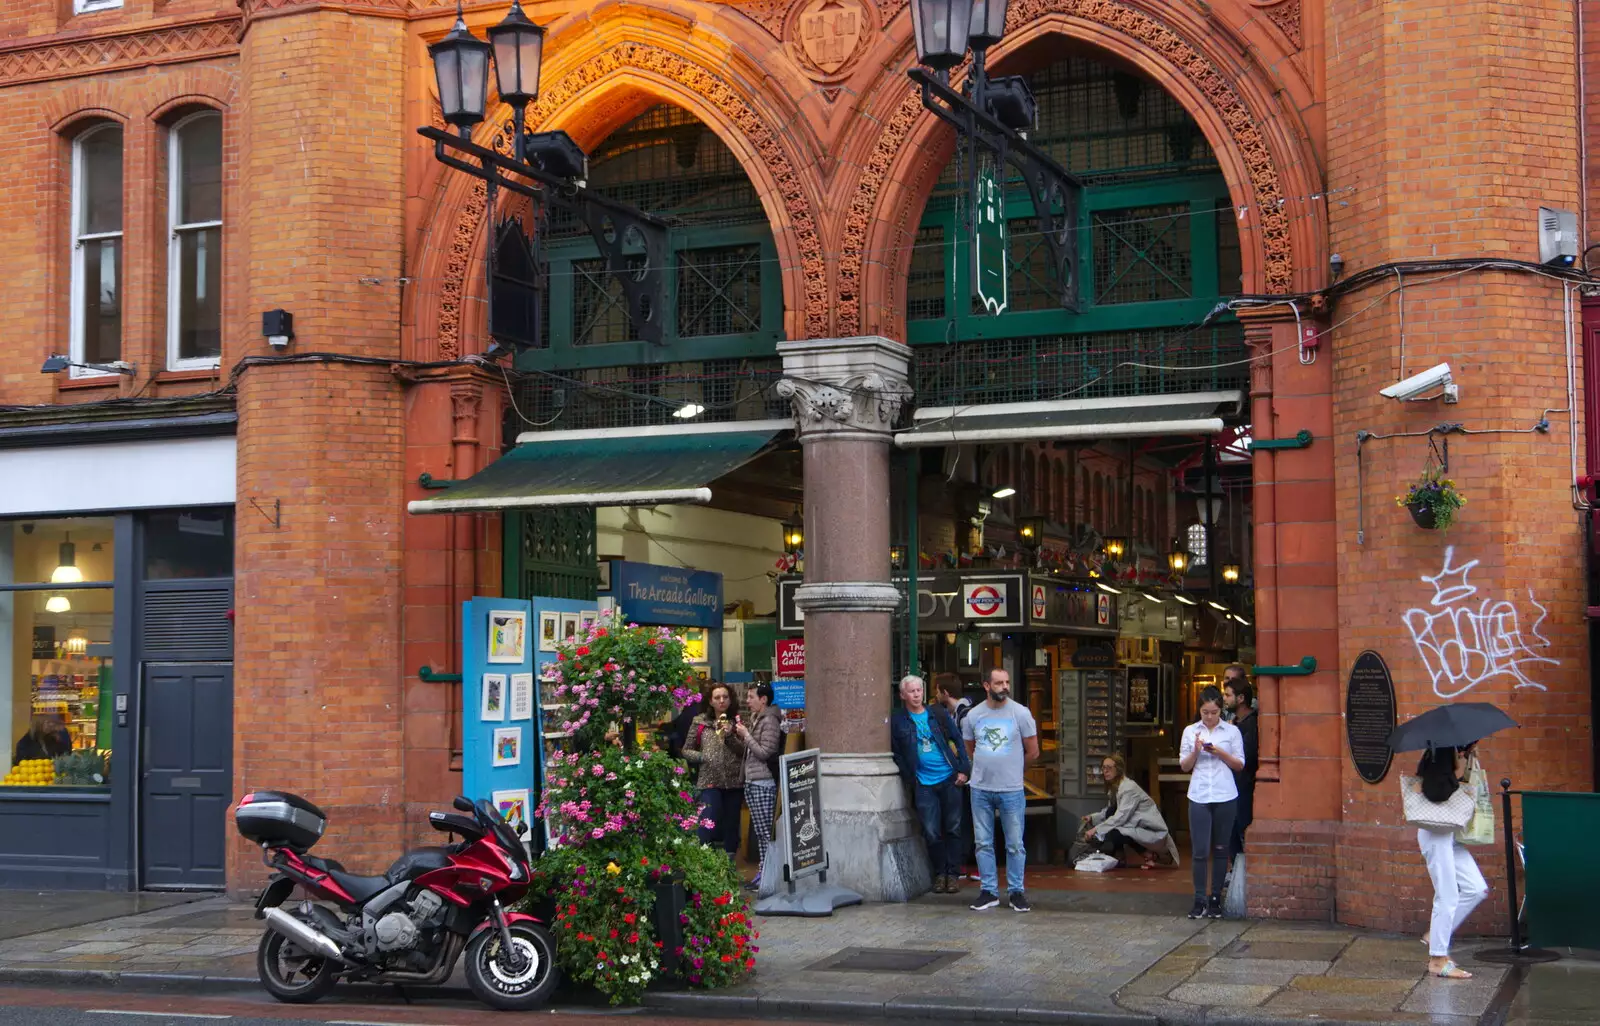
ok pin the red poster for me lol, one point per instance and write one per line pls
(791, 658)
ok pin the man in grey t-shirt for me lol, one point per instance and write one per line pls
(1001, 738)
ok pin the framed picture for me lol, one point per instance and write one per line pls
(513, 807)
(507, 746)
(569, 626)
(586, 620)
(549, 631)
(1171, 618)
(521, 698)
(494, 697)
(508, 636)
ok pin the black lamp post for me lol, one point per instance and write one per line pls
(996, 114)
(548, 168)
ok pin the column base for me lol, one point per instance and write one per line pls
(873, 837)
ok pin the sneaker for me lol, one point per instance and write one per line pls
(986, 900)
(952, 884)
(941, 885)
(1214, 908)
(1199, 910)
(1019, 902)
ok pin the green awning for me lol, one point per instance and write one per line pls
(1144, 416)
(645, 466)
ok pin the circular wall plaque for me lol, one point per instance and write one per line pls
(1369, 716)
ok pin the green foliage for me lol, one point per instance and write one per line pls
(618, 672)
(1436, 492)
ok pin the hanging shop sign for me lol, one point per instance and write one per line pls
(1369, 716)
(789, 657)
(1039, 604)
(977, 600)
(1072, 605)
(667, 595)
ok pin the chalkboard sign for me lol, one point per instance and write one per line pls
(802, 811)
(1369, 716)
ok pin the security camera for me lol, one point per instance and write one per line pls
(1430, 379)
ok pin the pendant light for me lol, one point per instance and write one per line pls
(58, 604)
(67, 572)
(76, 643)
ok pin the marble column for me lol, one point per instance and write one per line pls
(846, 394)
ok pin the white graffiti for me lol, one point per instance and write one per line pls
(1462, 647)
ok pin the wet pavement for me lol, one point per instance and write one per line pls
(25, 912)
(1112, 955)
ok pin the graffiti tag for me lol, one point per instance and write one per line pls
(1462, 646)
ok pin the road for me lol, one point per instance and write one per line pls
(107, 1006)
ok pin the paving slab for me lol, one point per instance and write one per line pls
(1237, 994)
(30, 912)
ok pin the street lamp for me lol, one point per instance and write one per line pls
(1115, 547)
(1178, 560)
(995, 115)
(548, 168)
(793, 534)
(1230, 573)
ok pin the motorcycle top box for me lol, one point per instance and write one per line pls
(280, 819)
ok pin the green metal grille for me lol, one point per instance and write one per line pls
(632, 396)
(1081, 366)
(719, 291)
(925, 282)
(556, 553)
(599, 309)
(1142, 255)
(1230, 267)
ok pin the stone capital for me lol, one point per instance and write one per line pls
(847, 597)
(845, 387)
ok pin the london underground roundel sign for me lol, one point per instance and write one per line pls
(985, 601)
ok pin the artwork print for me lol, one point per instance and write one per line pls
(569, 626)
(507, 746)
(549, 631)
(521, 696)
(513, 808)
(508, 636)
(494, 697)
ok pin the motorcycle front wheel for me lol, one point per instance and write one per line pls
(291, 975)
(516, 981)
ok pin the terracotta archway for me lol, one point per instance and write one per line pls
(598, 87)
(1261, 144)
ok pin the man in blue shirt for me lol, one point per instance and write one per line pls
(933, 763)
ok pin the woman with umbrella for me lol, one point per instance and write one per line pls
(1448, 738)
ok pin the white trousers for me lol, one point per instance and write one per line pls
(1458, 887)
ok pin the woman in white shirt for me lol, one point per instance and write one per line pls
(1211, 752)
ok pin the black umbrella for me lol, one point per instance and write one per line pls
(1449, 726)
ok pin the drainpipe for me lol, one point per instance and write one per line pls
(1258, 337)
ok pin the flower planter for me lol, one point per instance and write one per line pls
(1424, 515)
(671, 899)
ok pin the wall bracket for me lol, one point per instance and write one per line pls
(1305, 668)
(427, 480)
(1300, 440)
(427, 676)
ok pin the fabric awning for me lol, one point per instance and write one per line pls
(643, 466)
(1186, 413)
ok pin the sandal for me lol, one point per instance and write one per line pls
(1451, 971)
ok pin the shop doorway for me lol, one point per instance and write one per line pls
(186, 777)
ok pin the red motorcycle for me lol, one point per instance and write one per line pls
(409, 925)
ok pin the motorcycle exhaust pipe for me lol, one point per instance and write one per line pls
(303, 935)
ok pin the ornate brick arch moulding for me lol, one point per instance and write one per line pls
(1245, 140)
(714, 91)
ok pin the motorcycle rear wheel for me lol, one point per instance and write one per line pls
(291, 975)
(513, 990)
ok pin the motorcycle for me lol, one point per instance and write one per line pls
(409, 925)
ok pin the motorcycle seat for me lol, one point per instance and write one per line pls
(417, 862)
(322, 864)
(360, 888)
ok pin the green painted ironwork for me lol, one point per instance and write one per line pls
(550, 553)
(1299, 440)
(427, 676)
(647, 394)
(990, 277)
(1304, 668)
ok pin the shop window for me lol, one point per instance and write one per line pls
(196, 543)
(194, 254)
(56, 682)
(96, 329)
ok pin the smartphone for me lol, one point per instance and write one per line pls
(1207, 745)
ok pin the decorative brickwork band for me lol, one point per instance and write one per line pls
(1285, 14)
(31, 62)
(1150, 33)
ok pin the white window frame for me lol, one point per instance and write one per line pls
(90, 6)
(76, 343)
(175, 246)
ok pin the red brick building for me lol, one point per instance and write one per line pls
(1232, 150)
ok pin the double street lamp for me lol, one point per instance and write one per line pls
(995, 115)
(547, 167)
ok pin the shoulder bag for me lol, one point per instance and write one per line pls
(1480, 828)
(1450, 814)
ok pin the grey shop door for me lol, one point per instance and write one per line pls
(187, 775)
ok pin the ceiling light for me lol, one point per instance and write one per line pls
(67, 572)
(688, 410)
(1214, 604)
(1186, 600)
(1003, 493)
(1241, 619)
(77, 644)
(1152, 598)
(1107, 588)
(58, 604)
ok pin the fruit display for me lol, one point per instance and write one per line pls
(31, 773)
(83, 768)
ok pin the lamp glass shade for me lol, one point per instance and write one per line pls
(988, 23)
(518, 53)
(1230, 573)
(1116, 547)
(794, 535)
(77, 644)
(461, 67)
(57, 604)
(67, 572)
(1178, 560)
(940, 28)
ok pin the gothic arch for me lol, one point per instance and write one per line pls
(600, 90)
(1262, 146)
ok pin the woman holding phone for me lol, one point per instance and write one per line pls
(1211, 752)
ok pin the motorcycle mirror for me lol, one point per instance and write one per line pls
(463, 803)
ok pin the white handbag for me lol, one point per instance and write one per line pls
(1095, 863)
(1450, 814)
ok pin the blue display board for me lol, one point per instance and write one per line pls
(500, 722)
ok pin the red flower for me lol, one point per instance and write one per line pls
(644, 860)
(599, 632)
(630, 918)
(658, 944)
(633, 938)
(749, 963)
(613, 935)
(727, 958)
(722, 899)
(582, 650)
(649, 641)
(619, 890)
(602, 956)
(561, 657)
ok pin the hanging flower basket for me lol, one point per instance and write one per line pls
(1432, 500)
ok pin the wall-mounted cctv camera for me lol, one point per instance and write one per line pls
(1414, 387)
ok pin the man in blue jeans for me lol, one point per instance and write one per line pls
(1001, 739)
(927, 749)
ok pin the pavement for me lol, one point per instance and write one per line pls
(1116, 951)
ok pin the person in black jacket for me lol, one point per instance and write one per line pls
(1239, 697)
(933, 763)
(46, 738)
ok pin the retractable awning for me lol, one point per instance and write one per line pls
(1186, 413)
(643, 466)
